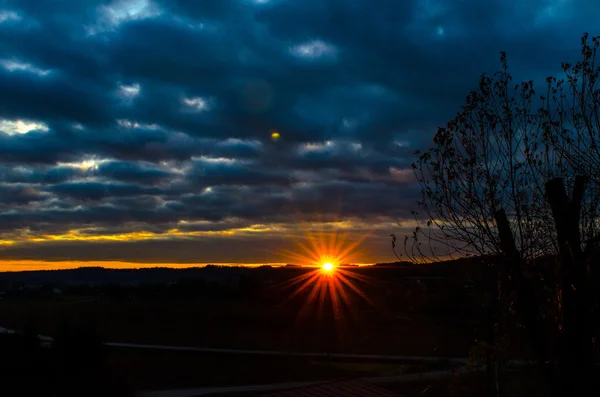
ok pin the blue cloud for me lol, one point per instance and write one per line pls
(139, 114)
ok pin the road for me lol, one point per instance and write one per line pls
(378, 357)
(280, 353)
(281, 386)
(203, 391)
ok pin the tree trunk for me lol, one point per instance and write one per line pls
(577, 329)
(527, 304)
(493, 285)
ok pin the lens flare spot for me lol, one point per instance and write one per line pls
(275, 135)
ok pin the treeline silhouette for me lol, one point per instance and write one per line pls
(429, 289)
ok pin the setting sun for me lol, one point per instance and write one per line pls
(328, 266)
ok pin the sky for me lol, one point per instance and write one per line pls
(142, 131)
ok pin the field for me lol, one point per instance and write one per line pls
(239, 325)
(407, 320)
(156, 370)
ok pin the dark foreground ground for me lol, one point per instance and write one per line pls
(384, 312)
(240, 325)
(247, 325)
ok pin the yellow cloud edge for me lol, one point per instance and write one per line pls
(87, 234)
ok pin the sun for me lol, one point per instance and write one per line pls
(327, 266)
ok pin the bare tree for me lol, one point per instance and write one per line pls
(495, 184)
(491, 156)
(571, 122)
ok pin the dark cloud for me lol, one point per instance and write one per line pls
(214, 173)
(39, 175)
(53, 97)
(147, 116)
(132, 172)
(18, 195)
(99, 191)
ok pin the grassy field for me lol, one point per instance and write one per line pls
(256, 326)
(270, 322)
(247, 326)
(156, 370)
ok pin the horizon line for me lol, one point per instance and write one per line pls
(22, 265)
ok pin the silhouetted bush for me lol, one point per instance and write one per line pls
(80, 359)
(74, 366)
(24, 366)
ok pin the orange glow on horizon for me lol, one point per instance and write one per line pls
(20, 265)
(328, 296)
(331, 291)
(321, 246)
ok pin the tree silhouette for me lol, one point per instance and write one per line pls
(571, 111)
(24, 366)
(80, 363)
(74, 365)
(494, 185)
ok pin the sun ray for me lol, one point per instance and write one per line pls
(352, 247)
(329, 293)
(356, 276)
(335, 299)
(340, 321)
(346, 301)
(332, 246)
(310, 281)
(297, 279)
(343, 279)
(321, 301)
(288, 284)
(311, 298)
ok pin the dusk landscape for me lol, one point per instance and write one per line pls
(299, 198)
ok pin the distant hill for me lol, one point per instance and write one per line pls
(403, 263)
(100, 275)
(216, 273)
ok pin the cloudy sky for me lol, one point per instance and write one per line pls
(141, 130)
